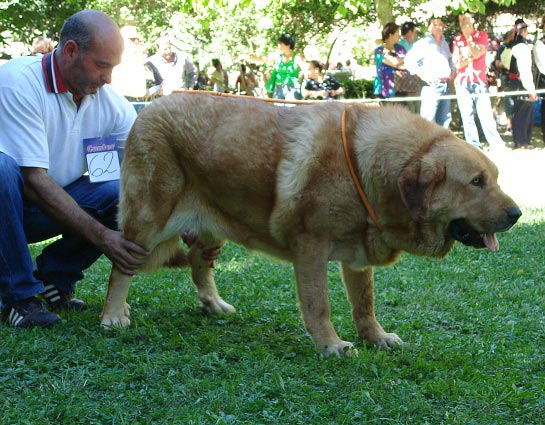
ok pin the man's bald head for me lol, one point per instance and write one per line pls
(90, 47)
(88, 27)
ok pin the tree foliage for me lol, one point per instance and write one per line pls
(24, 19)
(241, 24)
(312, 19)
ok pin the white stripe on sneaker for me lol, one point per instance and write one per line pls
(19, 320)
(51, 293)
(15, 318)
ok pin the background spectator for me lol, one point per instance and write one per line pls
(521, 78)
(203, 82)
(431, 59)
(172, 70)
(539, 57)
(471, 83)
(285, 79)
(41, 45)
(320, 86)
(129, 77)
(219, 78)
(409, 34)
(388, 58)
(502, 62)
(246, 81)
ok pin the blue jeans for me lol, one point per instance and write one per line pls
(468, 104)
(434, 109)
(62, 262)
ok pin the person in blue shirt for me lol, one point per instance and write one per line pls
(388, 59)
(409, 34)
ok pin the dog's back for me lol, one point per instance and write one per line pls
(188, 163)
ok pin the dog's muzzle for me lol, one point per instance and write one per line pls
(463, 232)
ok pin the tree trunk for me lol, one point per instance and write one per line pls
(384, 11)
(333, 44)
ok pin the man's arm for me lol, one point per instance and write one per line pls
(54, 201)
(458, 59)
(523, 55)
(477, 48)
(539, 56)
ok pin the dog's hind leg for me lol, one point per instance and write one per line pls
(202, 261)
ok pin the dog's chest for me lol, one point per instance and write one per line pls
(352, 254)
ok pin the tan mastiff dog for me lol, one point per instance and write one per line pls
(276, 179)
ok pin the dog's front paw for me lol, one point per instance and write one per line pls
(217, 306)
(115, 318)
(342, 349)
(388, 341)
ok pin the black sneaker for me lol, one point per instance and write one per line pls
(59, 300)
(29, 313)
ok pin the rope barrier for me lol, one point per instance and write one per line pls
(265, 99)
(453, 96)
(364, 100)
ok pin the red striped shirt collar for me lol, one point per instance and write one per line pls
(53, 81)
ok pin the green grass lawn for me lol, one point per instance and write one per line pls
(474, 327)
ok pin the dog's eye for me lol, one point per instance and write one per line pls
(478, 181)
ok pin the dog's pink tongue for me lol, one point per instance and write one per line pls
(491, 242)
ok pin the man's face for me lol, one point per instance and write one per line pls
(165, 49)
(411, 36)
(89, 71)
(437, 27)
(466, 22)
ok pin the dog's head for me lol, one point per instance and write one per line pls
(450, 187)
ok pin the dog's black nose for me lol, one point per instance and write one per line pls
(513, 214)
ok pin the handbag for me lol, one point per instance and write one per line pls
(406, 83)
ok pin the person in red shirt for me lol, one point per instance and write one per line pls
(469, 53)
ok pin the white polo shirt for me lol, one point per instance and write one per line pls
(41, 125)
(429, 60)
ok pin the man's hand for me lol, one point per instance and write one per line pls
(127, 256)
(54, 201)
(467, 29)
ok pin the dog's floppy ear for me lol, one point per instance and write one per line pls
(416, 183)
